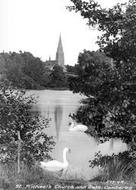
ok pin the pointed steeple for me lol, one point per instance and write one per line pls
(60, 53)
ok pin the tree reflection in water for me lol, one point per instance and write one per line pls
(58, 119)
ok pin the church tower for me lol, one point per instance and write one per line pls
(60, 54)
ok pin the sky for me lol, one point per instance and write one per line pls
(35, 26)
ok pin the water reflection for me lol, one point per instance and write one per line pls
(48, 113)
(58, 112)
(111, 143)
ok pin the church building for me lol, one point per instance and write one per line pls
(59, 57)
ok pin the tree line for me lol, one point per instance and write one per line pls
(29, 72)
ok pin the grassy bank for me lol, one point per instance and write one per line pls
(36, 178)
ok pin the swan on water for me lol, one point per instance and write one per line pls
(77, 127)
(56, 166)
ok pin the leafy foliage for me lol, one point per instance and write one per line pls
(72, 69)
(22, 69)
(117, 25)
(33, 67)
(116, 167)
(111, 111)
(29, 72)
(109, 84)
(58, 77)
(16, 115)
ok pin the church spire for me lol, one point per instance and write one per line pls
(60, 53)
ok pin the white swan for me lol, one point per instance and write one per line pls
(77, 127)
(54, 165)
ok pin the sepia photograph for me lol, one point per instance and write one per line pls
(67, 94)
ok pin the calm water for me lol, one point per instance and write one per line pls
(57, 105)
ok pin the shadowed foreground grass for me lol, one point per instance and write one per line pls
(33, 178)
(36, 178)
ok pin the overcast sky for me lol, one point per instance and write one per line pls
(35, 26)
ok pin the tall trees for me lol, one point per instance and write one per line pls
(13, 64)
(23, 69)
(117, 25)
(111, 111)
(33, 67)
(29, 72)
(16, 118)
(57, 77)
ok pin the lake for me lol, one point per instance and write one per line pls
(57, 105)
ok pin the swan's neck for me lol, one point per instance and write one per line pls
(64, 157)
